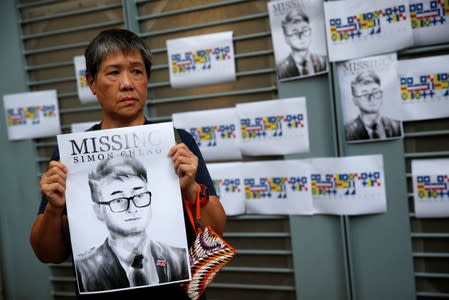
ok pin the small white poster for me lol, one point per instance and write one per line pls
(274, 127)
(430, 21)
(201, 60)
(277, 187)
(216, 132)
(228, 183)
(431, 187)
(81, 126)
(32, 115)
(348, 185)
(84, 93)
(123, 191)
(299, 38)
(369, 88)
(357, 29)
(424, 84)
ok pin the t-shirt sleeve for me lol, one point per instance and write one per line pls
(202, 174)
(54, 156)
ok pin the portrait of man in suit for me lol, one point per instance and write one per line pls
(301, 61)
(122, 201)
(367, 96)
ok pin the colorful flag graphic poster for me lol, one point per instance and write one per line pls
(424, 85)
(201, 60)
(81, 126)
(369, 88)
(430, 21)
(431, 187)
(357, 29)
(299, 38)
(32, 115)
(277, 187)
(122, 188)
(216, 132)
(84, 93)
(274, 127)
(228, 184)
(348, 185)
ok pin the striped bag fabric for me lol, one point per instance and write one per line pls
(208, 255)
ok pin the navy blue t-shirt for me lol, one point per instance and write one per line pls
(170, 291)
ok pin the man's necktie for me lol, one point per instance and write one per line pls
(138, 276)
(304, 70)
(375, 133)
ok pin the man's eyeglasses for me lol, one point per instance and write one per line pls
(368, 96)
(305, 32)
(122, 204)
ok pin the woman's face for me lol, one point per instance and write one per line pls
(121, 87)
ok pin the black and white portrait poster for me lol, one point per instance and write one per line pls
(124, 208)
(299, 40)
(369, 90)
(357, 28)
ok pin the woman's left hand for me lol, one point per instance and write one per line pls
(186, 166)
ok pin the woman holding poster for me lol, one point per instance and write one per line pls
(118, 68)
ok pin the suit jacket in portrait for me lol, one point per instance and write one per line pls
(288, 68)
(100, 269)
(355, 130)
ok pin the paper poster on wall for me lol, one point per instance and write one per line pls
(348, 185)
(430, 21)
(201, 60)
(369, 88)
(228, 184)
(275, 127)
(299, 38)
(431, 187)
(123, 191)
(84, 93)
(424, 85)
(216, 132)
(357, 29)
(81, 126)
(32, 115)
(277, 187)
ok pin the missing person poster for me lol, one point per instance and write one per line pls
(84, 93)
(431, 187)
(299, 39)
(274, 127)
(348, 185)
(124, 208)
(277, 187)
(357, 29)
(424, 85)
(201, 60)
(216, 132)
(228, 183)
(32, 115)
(430, 21)
(368, 91)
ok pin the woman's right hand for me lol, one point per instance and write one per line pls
(53, 184)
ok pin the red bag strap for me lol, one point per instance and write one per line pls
(196, 222)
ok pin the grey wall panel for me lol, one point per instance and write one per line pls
(23, 275)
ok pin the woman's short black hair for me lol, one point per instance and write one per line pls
(115, 41)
